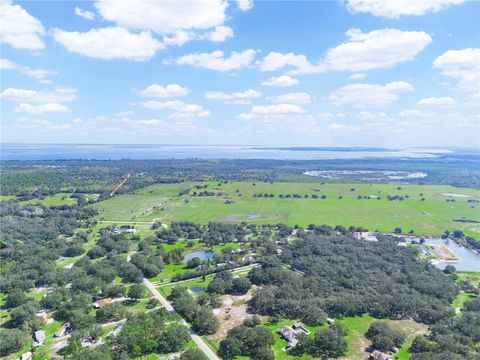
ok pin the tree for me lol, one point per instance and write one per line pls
(263, 353)
(328, 343)
(16, 298)
(205, 322)
(384, 337)
(194, 263)
(240, 286)
(397, 230)
(229, 348)
(450, 269)
(192, 354)
(12, 340)
(136, 291)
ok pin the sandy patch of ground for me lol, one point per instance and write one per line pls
(232, 313)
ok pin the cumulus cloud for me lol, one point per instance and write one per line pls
(33, 96)
(437, 101)
(217, 61)
(276, 61)
(84, 13)
(397, 8)
(236, 98)
(110, 43)
(244, 5)
(221, 33)
(291, 98)
(177, 106)
(363, 95)
(281, 81)
(41, 109)
(378, 49)
(164, 17)
(19, 29)
(171, 90)
(463, 65)
(277, 109)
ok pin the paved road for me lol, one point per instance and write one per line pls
(197, 339)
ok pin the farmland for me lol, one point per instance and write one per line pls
(341, 205)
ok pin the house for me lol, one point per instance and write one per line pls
(60, 332)
(39, 337)
(289, 335)
(100, 304)
(378, 355)
(330, 321)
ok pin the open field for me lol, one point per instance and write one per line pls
(431, 216)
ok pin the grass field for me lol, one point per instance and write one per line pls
(432, 216)
(53, 200)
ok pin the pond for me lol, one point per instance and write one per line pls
(197, 289)
(243, 217)
(469, 261)
(202, 255)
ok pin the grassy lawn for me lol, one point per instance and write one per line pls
(432, 216)
(53, 200)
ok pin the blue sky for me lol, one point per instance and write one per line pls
(319, 73)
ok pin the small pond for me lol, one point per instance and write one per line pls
(469, 261)
(197, 289)
(243, 217)
(202, 255)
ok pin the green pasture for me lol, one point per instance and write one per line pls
(432, 216)
(53, 200)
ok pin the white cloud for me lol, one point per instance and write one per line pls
(239, 95)
(110, 43)
(437, 101)
(18, 28)
(463, 65)
(164, 17)
(378, 49)
(362, 95)
(291, 98)
(26, 95)
(397, 8)
(357, 76)
(177, 106)
(244, 5)
(416, 113)
(336, 127)
(41, 109)
(160, 91)
(39, 74)
(276, 61)
(221, 33)
(179, 37)
(217, 61)
(280, 81)
(85, 13)
(6, 64)
(277, 109)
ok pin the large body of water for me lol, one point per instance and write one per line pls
(469, 261)
(125, 151)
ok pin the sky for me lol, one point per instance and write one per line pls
(388, 73)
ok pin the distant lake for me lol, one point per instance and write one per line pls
(126, 151)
